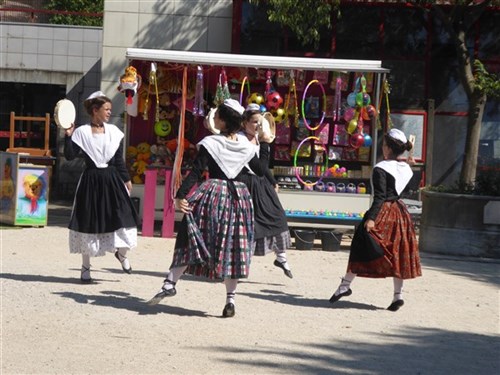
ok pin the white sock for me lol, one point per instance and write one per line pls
(122, 254)
(231, 285)
(345, 283)
(173, 276)
(398, 289)
(86, 260)
(85, 266)
(281, 257)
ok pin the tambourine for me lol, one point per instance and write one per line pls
(64, 113)
(209, 122)
(267, 130)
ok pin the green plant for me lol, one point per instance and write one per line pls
(487, 183)
(86, 7)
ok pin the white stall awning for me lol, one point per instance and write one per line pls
(255, 61)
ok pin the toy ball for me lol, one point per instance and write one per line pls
(274, 100)
(368, 140)
(362, 99)
(256, 98)
(336, 166)
(349, 114)
(279, 115)
(351, 99)
(344, 174)
(163, 128)
(263, 108)
(342, 170)
(372, 111)
(352, 125)
(357, 140)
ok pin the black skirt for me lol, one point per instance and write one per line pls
(102, 203)
(269, 215)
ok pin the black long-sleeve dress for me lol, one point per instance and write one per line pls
(103, 216)
(271, 227)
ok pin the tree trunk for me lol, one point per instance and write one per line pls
(469, 165)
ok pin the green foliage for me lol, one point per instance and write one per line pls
(486, 83)
(86, 6)
(487, 183)
(304, 18)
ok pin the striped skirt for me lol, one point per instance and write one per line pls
(215, 239)
(395, 234)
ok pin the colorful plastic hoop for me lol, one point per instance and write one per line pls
(295, 161)
(245, 80)
(304, 101)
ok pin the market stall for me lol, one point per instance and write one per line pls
(325, 112)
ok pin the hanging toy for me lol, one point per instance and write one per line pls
(255, 98)
(362, 98)
(292, 91)
(269, 88)
(222, 91)
(273, 101)
(337, 100)
(387, 91)
(153, 81)
(198, 105)
(130, 82)
(245, 80)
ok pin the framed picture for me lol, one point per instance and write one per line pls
(340, 135)
(335, 152)
(32, 195)
(301, 131)
(282, 153)
(412, 123)
(312, 107)
(322, 133)
(304, 152)
(282, 134)
(8, 186)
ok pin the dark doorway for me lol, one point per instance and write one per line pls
(28, 99)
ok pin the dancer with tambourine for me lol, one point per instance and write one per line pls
(103, 218)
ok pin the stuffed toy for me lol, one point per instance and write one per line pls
(144, 152)
(130, 82)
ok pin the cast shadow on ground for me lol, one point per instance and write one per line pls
(479, 269)
(125, 301)
(43, 278)
(297, 300)
(410, 350)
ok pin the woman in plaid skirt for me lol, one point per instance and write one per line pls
(216, 233)
(385, 244)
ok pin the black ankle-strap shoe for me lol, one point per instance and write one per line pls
(229, 311)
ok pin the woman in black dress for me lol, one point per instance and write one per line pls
(271, 227)
(103, 218)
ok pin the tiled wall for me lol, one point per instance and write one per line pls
(49, 47)
(185, 25)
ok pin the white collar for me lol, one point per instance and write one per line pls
(400, 170)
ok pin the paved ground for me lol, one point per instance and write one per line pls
(51, 324)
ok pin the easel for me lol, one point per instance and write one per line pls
(28, 150)
(37, 156)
